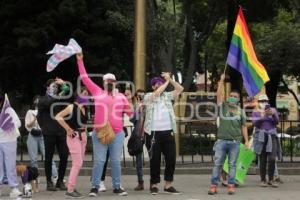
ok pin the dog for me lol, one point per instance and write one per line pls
(29, 176)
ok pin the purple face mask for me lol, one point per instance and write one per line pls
(82, 99)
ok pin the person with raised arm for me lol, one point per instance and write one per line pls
(110, 106)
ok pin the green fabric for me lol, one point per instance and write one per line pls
(65, 89)
(245, 159)
(231, 123)
(167, 98)
(232, 100)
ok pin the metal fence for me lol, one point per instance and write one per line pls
(196, 140)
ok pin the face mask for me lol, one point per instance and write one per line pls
(82, 99)
(110, 87)
(232, 101)
(262, 105)
(52, 90)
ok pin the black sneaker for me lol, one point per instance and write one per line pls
(73, 195)
(93, 192)
(120, 192)
(171, 190)
(61, 186)
(154, 190)
(50, 186)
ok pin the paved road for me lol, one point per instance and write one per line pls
(193, 187)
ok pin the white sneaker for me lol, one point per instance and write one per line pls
(102, 187)
(15, 192)
(54, 179)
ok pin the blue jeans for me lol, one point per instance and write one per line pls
(223, 148)
(139, 167)
(34, 144)
(115, 152)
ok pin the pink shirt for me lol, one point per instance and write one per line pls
(107, 106)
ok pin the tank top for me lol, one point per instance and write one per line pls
(77, 118)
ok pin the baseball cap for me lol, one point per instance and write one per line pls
(263, 97)
(109, 76)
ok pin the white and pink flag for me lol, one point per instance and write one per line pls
(61, 53)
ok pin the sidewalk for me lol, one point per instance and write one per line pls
(193, 187)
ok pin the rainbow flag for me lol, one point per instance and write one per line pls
(241, 56)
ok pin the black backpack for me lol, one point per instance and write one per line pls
(135, 144)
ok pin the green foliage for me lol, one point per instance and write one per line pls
(104, 28)
(278, 43)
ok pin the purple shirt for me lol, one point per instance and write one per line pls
(265, 122)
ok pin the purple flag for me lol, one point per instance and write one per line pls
(8, 117)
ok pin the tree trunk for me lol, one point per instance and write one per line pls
(272, 86)
(290, 91)
(235, 77)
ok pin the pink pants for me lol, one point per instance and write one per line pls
(77, 151)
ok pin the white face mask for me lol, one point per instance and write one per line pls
(262, 105)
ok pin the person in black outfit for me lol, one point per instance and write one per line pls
(54, 134)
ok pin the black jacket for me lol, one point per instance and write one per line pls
(46, 118)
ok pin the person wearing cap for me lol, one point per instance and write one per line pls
(266, 143)
(160, 129)
(109, 106)
(232, 128)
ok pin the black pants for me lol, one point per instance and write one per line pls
(52, 141)
(268, 157)
(105, 167)
(164, 143)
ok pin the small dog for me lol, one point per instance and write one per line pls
(29, 176)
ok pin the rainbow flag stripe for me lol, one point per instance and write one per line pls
(242, 57)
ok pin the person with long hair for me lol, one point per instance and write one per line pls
(35, 139)
(75, 127)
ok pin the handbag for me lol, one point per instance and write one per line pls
(105, 134)
(36, 132)
(135, 144)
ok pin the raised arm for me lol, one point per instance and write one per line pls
(177, 87)
(220, 91)
(91, 86)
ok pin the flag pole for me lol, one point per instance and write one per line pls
(225, 68)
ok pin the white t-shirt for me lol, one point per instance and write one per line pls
(30, 116)
(161, 117)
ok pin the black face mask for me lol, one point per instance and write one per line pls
(110, 87)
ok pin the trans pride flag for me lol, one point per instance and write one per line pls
(241, 56)
(61, 53)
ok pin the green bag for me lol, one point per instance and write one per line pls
(245, 159)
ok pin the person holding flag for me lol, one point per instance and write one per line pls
(9, 132)
(232, 128)
(241, 57)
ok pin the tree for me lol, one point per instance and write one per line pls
(104, 28)
(279, 47)
(194, 22)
